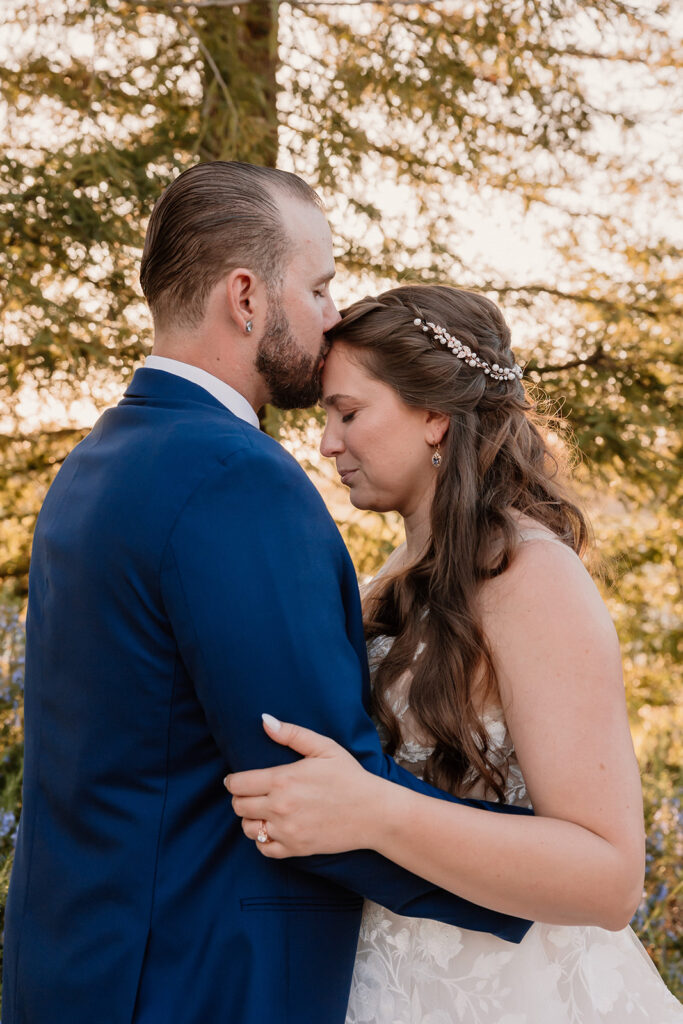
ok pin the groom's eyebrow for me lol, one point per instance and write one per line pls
(325, 278)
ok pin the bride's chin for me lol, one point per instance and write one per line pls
(359, 502)
(365, 504)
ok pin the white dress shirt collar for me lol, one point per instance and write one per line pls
(226, 395)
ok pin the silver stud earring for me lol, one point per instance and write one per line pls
(437, 457)
(249, 326)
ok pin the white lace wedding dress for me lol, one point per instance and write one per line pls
(415, 971)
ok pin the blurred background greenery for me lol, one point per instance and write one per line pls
(529, 150)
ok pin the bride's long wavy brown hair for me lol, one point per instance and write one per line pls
(496, 466)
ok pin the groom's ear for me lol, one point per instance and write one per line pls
(244, 296)
(436, 426)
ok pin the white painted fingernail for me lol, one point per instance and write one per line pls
(274, 724)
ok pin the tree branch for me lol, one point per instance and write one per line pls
(584, 299)
(591, 360)
(205, 52)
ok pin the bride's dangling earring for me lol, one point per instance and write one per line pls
(437, 457)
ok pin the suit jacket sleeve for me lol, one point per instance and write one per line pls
(263, 601)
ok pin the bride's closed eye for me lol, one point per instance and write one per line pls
(348, 417)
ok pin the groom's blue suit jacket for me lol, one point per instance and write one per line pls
(186, 577)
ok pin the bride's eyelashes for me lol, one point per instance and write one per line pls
(348, 417)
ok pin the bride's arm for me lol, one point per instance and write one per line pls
(580, 860)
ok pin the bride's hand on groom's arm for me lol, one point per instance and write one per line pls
(324, 803)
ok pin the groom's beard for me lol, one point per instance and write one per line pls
(292, 376)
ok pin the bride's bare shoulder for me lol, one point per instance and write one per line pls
(545, 575)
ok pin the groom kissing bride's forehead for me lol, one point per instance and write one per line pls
(172, 533)
(237, 263)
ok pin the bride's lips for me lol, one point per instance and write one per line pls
(346, 474)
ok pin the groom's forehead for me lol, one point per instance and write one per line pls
(306, 226)
(314, 262)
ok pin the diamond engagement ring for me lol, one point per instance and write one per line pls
(262, 836)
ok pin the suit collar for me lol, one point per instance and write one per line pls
(226, 395)
(151, 385)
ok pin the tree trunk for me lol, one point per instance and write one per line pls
(239, 49)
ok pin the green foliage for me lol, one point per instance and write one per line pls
(643, 567)
(11, 737)
(642, 586)
(452, 106)
(132, 98)
(659, 920)
(442, 107)
(27, 462)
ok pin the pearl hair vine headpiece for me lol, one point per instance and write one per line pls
(463, 351)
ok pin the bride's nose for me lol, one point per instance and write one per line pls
(331, 443)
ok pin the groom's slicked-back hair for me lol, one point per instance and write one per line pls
(215, 217)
